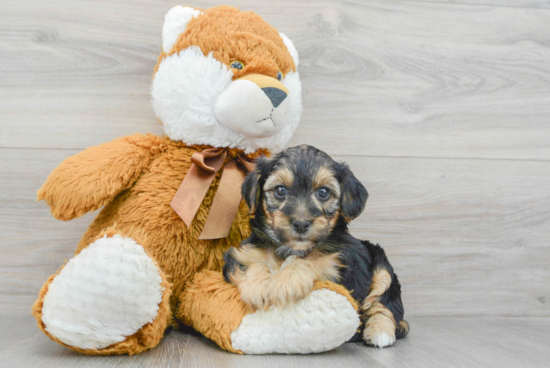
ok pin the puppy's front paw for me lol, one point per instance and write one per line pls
(379, 331)
(293, 282)
(255, 286)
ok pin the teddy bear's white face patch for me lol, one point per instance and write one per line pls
(195, 98)
(253, 111)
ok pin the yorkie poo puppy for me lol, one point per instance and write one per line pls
(302, 201)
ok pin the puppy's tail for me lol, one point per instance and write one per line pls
(402, 329)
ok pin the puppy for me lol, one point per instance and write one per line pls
(301, 202)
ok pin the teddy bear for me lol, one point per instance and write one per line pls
(227, 90)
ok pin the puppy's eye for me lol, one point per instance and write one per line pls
(323, 193)
(236, 65)
(280, 192)
(279, 76)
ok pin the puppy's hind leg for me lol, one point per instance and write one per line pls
(383, 311)
(380, 326)
(382, 308)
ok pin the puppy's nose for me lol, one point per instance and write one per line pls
(301, 226)
(276, 95)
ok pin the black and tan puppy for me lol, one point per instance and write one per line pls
(302, 201)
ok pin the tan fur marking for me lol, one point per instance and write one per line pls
(247, 255)
(297, 275)
(255, 286)
(293, 282)
(381, 281)
(379, 308)
(281, 221)
(268, 215)
(404, 325)
(380, 321)
(270, 281)
(237, 277)
(282, 176)
(325, 178)
(300, 245)
(320, 226)
(327, 267)
(333, 220)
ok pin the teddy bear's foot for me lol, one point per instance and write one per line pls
(322, 321)
(110, 299)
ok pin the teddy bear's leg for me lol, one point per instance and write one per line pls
(322, 321)
(111, 298)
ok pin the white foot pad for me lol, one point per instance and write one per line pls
(380, 339)
(104, 294)
(320, 322)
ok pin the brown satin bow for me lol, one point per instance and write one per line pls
(196, 183)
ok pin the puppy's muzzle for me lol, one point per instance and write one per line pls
(301, 226)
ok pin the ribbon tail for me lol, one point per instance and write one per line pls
(226, 203)
(191, 192)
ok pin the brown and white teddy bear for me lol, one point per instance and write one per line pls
(226, 88)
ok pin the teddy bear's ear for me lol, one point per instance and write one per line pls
(291, 49)
(175, 22)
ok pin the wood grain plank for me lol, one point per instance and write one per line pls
(380, 78)
(463, 235)
(538, 4)
(466, 237)
(432, 342)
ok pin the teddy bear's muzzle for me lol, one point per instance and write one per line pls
(254, 105)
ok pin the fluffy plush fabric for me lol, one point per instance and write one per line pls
(213, 307)
(254, 114)
(175, 22)
(191, 76)
(135, 178)
(76, 327)
(107, 292)
(322, 321)
(291, 48)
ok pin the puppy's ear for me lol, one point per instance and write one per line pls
(251, 188)
(354, 195)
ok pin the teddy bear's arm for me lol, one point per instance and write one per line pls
(92, 178)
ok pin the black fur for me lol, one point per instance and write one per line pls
(354, 195)
(230, 265)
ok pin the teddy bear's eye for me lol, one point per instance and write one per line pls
(236, 65)
(279, 76)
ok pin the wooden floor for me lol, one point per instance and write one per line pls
(433, 342)
(441, 107)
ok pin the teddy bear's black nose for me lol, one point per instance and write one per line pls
(275, 95)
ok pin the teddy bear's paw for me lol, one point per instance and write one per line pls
(108, 292)
(321, 321)
(379, 331)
